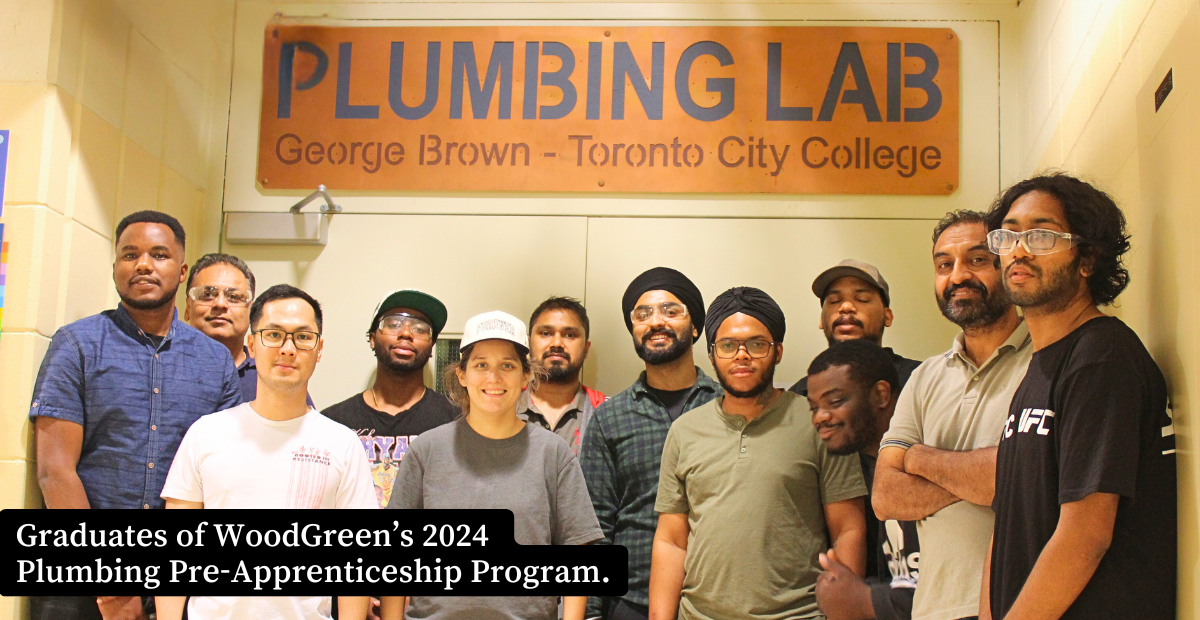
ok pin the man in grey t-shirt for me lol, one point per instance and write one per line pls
(533, 473)
(937, 462)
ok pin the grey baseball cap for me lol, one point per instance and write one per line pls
(850, 267)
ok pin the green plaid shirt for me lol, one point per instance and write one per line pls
(621, 458)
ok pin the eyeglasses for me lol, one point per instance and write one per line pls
(1038, 241)
(668, 310)
(727, 348)
(209, 294)
(395, 323)
(274, 338)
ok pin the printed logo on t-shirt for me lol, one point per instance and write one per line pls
(385, 454)
(903, 560)
(306, 483)
(1032, 420)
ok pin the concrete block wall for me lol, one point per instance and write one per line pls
(113, 106)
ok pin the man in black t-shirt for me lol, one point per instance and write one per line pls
(1085, 473)
(398, 406)
(853, 387)
(856, 304)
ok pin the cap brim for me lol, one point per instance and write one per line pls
(424, 303)
(831, 275)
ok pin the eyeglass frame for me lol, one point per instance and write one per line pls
(1022, 238)
(407, 316)
(658, 309)
(287, 336)
(742, 345)
(222, 292)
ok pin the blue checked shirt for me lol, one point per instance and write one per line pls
(134, 400)
(621, 459)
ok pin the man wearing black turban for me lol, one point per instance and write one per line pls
(622, 447)
(752, 464)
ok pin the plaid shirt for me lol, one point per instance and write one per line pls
(621, 458)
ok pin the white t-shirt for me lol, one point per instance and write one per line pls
(239, 459)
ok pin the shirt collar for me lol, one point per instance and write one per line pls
(1016, 341)
(703, 382)
(126, 323)
(526, 402)
(248, 362)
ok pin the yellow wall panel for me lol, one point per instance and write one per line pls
(97, 169)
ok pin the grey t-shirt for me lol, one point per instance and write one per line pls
(534, 473)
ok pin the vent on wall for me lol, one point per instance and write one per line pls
(445, 355)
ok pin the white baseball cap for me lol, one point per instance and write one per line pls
(495, 325)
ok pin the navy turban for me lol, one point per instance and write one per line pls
(671, 281)
(749, 301)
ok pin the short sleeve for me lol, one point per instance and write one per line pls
(1098, 408)
(891, 603)
(672, 490)
(904, 431)
(357, 489)
(575, 520)
(841, 476)
(59, 391)
(183, 479)
(408, 489)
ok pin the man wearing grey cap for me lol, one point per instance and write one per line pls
(398, 406)
(856, 303)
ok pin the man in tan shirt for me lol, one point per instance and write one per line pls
(937, 462)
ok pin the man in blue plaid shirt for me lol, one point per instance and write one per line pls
(622, 448)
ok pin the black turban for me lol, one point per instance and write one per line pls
(749, 301)
(671, 281)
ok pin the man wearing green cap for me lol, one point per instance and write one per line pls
(398, 406)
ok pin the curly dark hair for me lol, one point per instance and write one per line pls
(1091, 214)
(869, 363)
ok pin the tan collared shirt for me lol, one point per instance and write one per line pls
(951, 404)
(568, 426)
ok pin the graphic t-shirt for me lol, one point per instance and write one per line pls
(385, 437)
(1090, 417)
(893, 554)
(533, 473)
(239, 459)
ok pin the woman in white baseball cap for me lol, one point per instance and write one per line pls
(490, 458)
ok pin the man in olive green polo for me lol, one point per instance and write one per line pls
(748, 494)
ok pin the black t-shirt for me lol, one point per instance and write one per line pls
(672, 400)
(1090, 417)
(904, 368)
(385, 437)
(893, 551)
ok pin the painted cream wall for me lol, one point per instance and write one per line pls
(1089, 69)
(114, 106)
(777, 242)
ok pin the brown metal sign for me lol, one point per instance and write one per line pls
(794, 110)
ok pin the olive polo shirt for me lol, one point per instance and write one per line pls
(754, 494)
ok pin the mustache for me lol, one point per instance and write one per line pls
(974, 286)
(557, 351)
(659, 330)
(847, 320)
(1026, 263)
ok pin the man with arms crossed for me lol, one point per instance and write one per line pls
(937, 462)
(1085, 473)
(267, 453)
(558, 340)
(852, 395)
(855, 303)
(397, 407)
(749, 497)
(117, 391)
(622, 449)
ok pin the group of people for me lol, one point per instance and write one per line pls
(1029, 471)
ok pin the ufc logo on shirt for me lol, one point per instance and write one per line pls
(1030, 418)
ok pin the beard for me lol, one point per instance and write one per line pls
(150, 304)
(1057, 290)
(658, 357)
(562, 372)
(763, 385)
(850, 320)
(384, 356)
(967, 313)
(861, 428)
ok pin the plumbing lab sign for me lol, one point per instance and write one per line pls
(796, 110)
